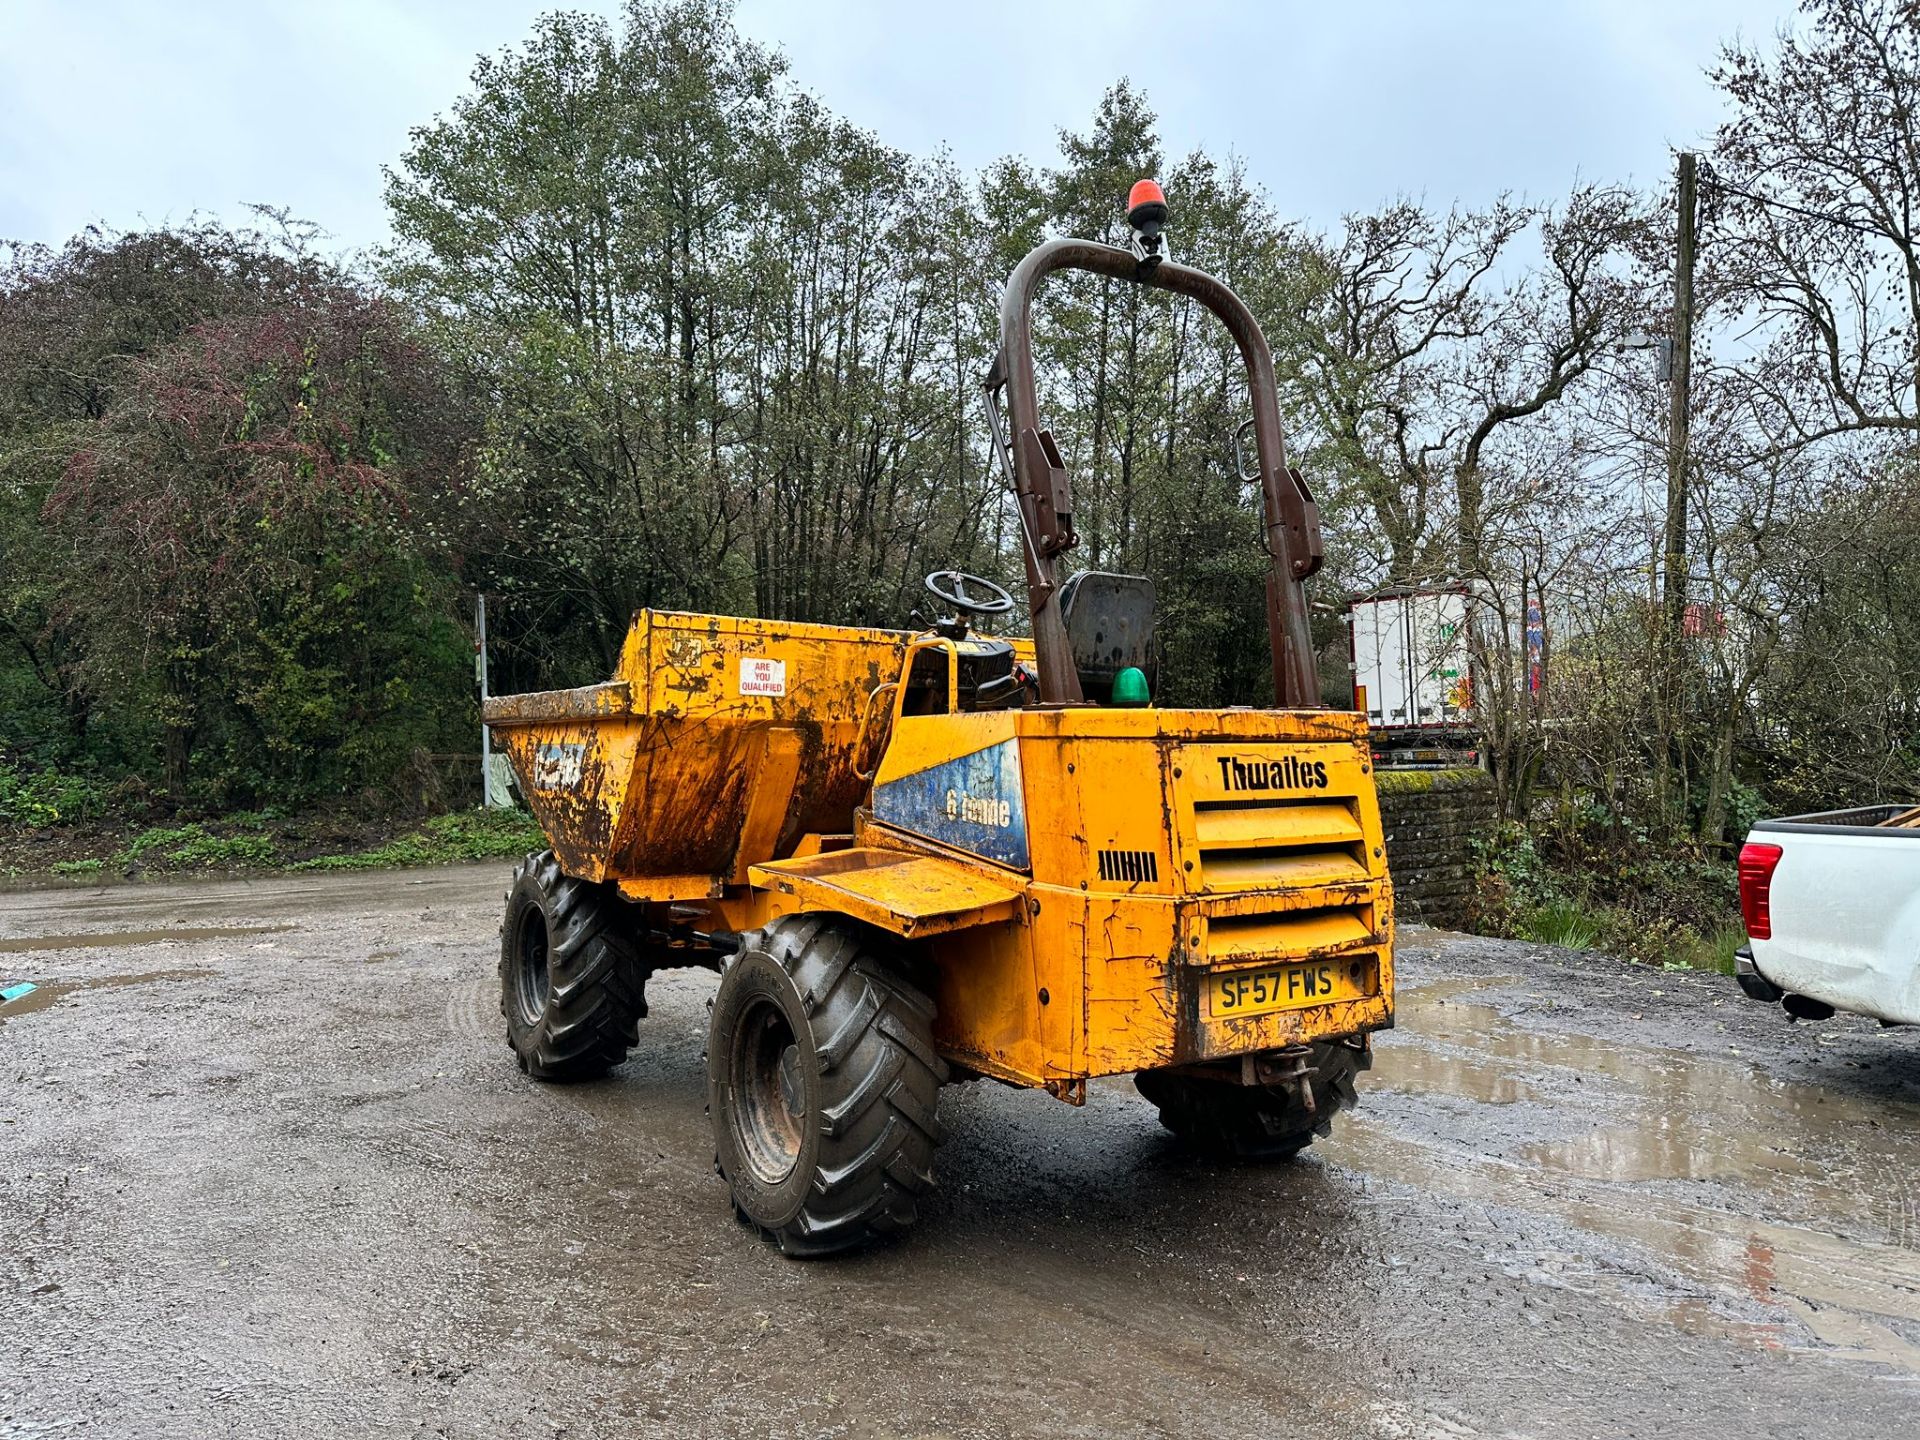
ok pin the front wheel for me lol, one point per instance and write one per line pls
(571, 985)
(1258, 1122)
(822, 1084)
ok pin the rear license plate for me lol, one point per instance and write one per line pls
(1290, 987)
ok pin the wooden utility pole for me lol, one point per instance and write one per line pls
(1669, 690)
(1678, 398)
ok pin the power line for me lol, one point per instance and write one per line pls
(1713, 179)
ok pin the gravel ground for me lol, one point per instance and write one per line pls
(267, 1168)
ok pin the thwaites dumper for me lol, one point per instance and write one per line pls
(918, 857)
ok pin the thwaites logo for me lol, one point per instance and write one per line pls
(979, 810)
(1289, 772)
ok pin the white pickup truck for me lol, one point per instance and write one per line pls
(1832, 909)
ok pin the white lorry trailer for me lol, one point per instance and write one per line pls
(1832, 909)
(1411, 674)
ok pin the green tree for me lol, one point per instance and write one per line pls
(728, 332)
(253, 545)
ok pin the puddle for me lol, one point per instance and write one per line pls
(1418, 1070)
(113, 939)
(53, 991)
(1667, 1115)
(1839, 1255)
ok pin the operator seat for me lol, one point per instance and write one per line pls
(1109, 620)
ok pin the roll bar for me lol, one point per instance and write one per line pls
(1030, 459)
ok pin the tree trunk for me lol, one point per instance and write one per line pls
(1713, 814)
(1470, 495)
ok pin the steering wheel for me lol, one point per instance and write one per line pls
(950, 587)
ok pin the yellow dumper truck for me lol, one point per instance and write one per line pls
(918, 857)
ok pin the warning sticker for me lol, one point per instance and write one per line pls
(762, 677)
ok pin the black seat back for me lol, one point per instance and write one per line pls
(1109, 621)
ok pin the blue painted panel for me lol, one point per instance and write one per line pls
(973, 803)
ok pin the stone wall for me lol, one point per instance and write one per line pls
(1432, 818)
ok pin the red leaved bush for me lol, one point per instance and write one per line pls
(247, 473)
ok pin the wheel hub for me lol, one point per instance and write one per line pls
(769, 1093)
(791, 1093)
(532, 976)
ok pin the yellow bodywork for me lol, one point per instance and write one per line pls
(717, 743)
(1097, 890)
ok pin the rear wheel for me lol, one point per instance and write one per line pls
(822, 1084)
(1257, 1122)
(571, 985)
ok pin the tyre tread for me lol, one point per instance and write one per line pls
(596, 988)
(879, 1127)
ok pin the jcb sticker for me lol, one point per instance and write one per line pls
(557, 766)
(762, 677)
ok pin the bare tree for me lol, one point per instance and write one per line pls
(1813, 197)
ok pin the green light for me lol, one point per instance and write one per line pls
(1130, 687)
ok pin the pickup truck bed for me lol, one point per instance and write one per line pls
(1832, 907)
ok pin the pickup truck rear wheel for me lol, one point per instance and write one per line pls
(571, 985)
(822, 1084)
(1257, 1122)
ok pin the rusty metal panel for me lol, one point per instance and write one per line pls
(611, 701)
(719, 743)
(1105, 973)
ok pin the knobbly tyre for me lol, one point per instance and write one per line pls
(920, 857)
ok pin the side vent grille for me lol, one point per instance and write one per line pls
(1129, 866)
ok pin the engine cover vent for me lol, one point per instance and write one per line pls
(1130, 866)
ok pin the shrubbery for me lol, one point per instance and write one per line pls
(33, 799)
(1601, 883)
(465, 835)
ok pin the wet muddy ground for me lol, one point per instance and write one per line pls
(267, 1168)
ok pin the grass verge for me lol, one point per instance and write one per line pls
(464, 835)
(260, 840)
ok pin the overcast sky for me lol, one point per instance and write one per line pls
(144, 111)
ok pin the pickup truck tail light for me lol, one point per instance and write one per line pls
(1757, 864)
